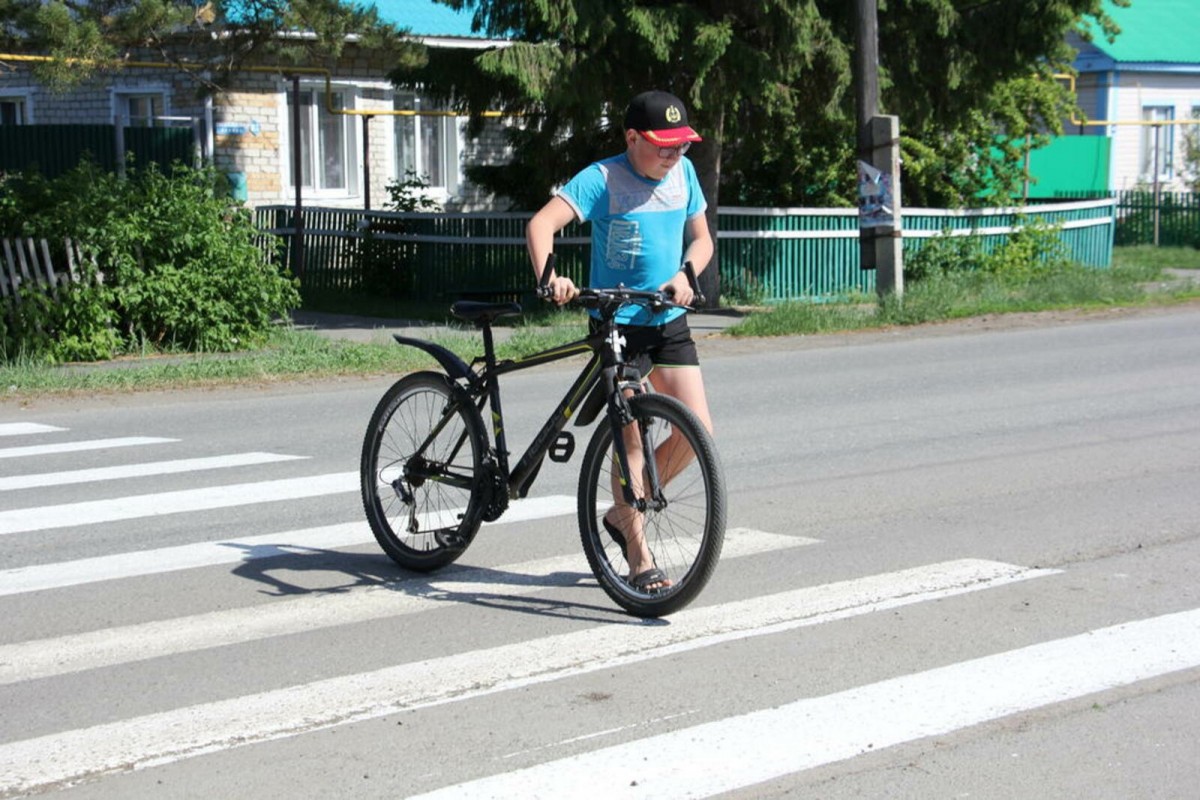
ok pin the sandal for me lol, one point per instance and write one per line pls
(615, 533)
(647, 578)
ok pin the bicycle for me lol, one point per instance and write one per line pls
(431, 475)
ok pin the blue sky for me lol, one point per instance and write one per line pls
(425, 17)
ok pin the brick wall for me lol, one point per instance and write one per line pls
(249, 121)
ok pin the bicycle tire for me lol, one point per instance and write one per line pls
(685, 537)
(438, 520)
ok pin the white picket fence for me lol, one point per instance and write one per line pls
(26, 266)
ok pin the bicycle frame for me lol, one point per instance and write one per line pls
(603, 381)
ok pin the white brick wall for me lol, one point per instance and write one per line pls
(1130, 93)
(257, 102)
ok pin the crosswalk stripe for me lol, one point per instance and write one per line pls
(75, 515)
(734, 753)
(41, 577)
(59, 656)
(173, 735)
(141, 470)
(79, 447)
(26, 428)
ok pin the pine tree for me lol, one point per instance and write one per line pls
(768, 83)
(86, 37)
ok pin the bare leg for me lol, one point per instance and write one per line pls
(687, 385)
(626, 518)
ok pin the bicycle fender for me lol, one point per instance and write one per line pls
(455, 367)
(592, 406)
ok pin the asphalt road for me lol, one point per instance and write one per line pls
(961, 561)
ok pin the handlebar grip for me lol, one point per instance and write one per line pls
(693, 282)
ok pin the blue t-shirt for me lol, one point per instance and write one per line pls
(637, 226)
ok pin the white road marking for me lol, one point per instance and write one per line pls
(26, 428)
(168, 736)
(140, 470)
(79, 447)
(46, 657)
(207, 554)
(75, 515)
(741, 751)
(648, 723)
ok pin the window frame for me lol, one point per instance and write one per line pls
(121, 96)
(23, 99)
(1166, 143)
(351, 155)
(1190, 139)
(449, 129)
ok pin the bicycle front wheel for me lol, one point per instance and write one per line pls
(421, 472)
(684, 527)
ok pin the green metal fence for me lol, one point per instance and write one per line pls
(804, 253)
(1171, 221)
(1086, 226)
(418, 256)
(55, 149)
(765, 254)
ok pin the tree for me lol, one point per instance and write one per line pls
(769, 85)
(88, 36)
(578, 62)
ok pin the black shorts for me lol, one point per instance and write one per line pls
(669, 345)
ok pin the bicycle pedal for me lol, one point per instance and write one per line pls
(451, 541)
(563, 448)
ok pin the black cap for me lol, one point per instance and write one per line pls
(661, 117)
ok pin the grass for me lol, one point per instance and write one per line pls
(290, 355)
(1137, 278)
(1153, 257)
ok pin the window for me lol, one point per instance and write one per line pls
(328, 157)
(1158, 143)
(140, 108)
(426, 146)
(1191, 151)
(14, 110)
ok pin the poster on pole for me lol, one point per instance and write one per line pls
(875, 198)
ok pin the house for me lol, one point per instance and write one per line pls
(345, 159)
(1142, 92)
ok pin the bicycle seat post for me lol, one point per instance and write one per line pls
(489, 346)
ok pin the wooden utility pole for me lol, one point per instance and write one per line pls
(880, 231)
(866, 71)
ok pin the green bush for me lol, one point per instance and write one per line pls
(388, 265)
(944, 254)
(181, 264)
(1033, 251)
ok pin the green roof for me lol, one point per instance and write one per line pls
(1162, 31)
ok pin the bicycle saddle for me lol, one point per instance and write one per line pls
(483, 313)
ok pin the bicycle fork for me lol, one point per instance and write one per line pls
(620, 416)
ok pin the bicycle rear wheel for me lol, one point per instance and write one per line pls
(685, 533)
(421, 472)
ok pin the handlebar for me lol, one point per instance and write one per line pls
(607, 298)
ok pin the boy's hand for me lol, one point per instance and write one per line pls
(679, 288)
(563, 289)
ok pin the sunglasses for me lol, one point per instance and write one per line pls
(668, 152)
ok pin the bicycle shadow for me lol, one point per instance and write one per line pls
(270, 566)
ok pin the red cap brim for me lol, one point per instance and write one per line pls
(670, 137)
